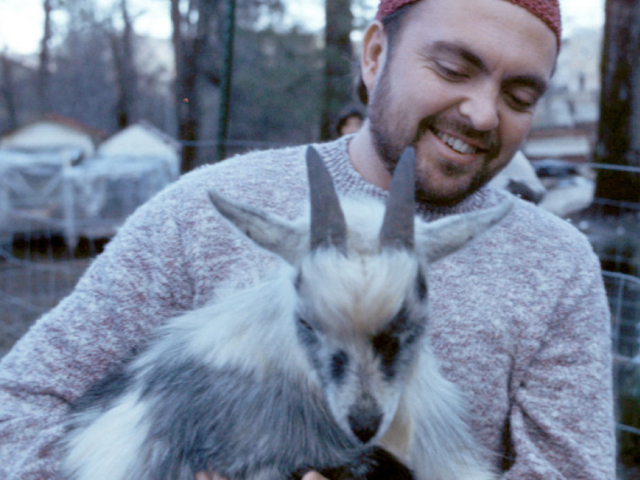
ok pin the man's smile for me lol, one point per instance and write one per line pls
(456, 144)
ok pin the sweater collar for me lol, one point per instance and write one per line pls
(348, 181)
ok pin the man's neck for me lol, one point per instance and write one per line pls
(365, 160)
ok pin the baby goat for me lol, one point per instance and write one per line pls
(326, 366)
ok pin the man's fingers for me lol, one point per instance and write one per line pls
(313, 476)
(215, 476)
(208, 476)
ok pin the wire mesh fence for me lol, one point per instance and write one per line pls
(37, 270)
(624, 298)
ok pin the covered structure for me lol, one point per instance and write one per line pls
(54, 181)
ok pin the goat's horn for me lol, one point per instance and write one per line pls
(328, 227)
(397, 226)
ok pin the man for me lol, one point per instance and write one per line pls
(519, 319)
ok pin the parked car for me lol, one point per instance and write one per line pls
(552, 167)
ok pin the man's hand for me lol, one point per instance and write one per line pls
(313, 476)
(215, 476)
(207, 476)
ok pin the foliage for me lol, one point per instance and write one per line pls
(338, 55)
(277, 86)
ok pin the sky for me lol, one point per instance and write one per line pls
(21, 20)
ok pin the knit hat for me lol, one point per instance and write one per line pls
(546, 10)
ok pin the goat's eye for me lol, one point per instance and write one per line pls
(387, 347)
(339, 364)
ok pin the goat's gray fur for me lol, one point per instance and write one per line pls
(309, 369)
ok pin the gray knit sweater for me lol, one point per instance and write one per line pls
(519, 319)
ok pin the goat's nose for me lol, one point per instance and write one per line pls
(364, 424)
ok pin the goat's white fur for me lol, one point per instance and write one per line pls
(252, 330)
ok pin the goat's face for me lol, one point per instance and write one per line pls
(361, 321)
(361, 287)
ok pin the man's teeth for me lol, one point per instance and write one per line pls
(457, 144)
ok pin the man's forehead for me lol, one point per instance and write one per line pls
(546, 10)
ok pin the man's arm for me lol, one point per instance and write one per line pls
(562, 419)
(135, 284)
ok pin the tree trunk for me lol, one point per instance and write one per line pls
(44, 71)
(225, 87)
(191, 43)
(184, 88)
(123, 53)
(619, 128)
(337, 92)
(7, 89)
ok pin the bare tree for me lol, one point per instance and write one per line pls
(619, 128)
(83, 83)
(197, 41)
(8, 91)
(337, 91)
(44, 67)
(194, 33)
(122, 46)
(277, 78)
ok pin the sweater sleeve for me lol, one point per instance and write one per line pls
(561, 419)
(136, 283)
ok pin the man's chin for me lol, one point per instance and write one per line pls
(435, 200)
(437, 197)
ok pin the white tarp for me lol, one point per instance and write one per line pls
(44, 192)
(141, 140)
(49, 135)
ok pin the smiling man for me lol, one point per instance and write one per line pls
(519, 320)
(459, 80)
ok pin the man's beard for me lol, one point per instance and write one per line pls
(389, 147)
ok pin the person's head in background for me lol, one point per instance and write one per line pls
(350, 120)
(458, 80)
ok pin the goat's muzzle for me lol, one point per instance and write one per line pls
(365, 420)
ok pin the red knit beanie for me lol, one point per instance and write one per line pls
(546, 10)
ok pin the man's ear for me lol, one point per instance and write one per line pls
(374, 54)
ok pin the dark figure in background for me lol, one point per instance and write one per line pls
(350, 120)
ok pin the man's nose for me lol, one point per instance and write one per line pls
(480, 106)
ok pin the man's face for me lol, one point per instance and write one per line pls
(460, 86)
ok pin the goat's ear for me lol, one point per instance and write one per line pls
(269, 231)
(437, 239)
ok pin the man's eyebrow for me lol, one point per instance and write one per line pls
(458, 51)
(538, 84)
(533, 82)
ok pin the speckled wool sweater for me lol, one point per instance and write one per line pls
(519, 319)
